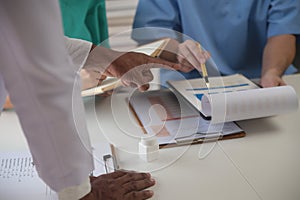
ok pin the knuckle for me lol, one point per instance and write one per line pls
(130, 187)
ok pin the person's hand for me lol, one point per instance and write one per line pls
(8, 104)
(90, 78)
(190, 55)
(121, 185)
(270, 79)
(132, 68)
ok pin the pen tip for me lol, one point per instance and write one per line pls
(206, 81)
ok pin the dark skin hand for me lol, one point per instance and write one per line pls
(134, 64)
(133, 69)
(121, 185)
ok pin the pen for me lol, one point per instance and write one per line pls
(203, 69)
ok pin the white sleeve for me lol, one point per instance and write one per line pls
(78, 50)
(39, 76)
(75, 192)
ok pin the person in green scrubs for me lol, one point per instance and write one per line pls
(85, 20)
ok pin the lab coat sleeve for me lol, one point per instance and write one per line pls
(75, 192)
(39, 76)
(78, 50)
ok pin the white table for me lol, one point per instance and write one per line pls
(263, 165)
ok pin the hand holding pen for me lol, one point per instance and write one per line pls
(191, 55)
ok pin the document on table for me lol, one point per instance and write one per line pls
(172, 120)
(19, 178)
(251, 104)
(234, 97)
(194, 89)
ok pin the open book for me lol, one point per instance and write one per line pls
(234, 97)
(152, 49)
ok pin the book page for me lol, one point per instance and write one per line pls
(250, 104)
(152, 49)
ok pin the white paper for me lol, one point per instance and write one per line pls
(255, 103)
(19, 179)
(108, 84)
(149, 49)
(169, 118)
(194, 89)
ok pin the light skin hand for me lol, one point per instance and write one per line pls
(271, 79)
(187, 54)
(121, 185)
(191, 55)
(90, 78)
(278, 55)
(8, 104)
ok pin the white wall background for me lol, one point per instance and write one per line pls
(120, 15)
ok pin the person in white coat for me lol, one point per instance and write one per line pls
(38, 73)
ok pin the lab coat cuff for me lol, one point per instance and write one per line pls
(78, 51)
(75, 192)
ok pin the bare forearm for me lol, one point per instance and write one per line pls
(277, 57)
(278, 54)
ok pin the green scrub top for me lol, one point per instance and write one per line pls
(85, 19)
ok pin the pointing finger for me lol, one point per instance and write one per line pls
(159, 63)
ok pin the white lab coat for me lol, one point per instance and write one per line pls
(38, 73)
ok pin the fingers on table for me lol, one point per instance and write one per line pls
(134, 185)
(115, 175)
(140, 195)
(134, 176)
